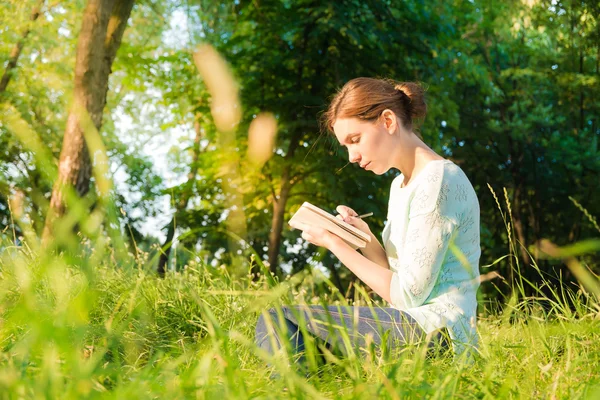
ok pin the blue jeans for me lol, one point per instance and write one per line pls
(339, 328)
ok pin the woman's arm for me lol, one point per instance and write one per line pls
(374, 275)
(375, 252)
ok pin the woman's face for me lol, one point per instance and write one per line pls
(369, 144)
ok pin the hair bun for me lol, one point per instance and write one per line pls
(398, 88)
(415, 93)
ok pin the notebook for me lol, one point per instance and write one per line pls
(313, 215)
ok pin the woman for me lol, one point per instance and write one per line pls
(427, 269)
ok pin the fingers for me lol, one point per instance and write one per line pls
(347, 219)
(307, 236)
(346, 213)
(299, 225)
(309, 233)
(302, 226)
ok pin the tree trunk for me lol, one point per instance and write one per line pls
(279, 203)
(181, 205)
(16, 51)
(102, 28)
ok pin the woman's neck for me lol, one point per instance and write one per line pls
(413, 154)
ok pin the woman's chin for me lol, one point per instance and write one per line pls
(378, 170)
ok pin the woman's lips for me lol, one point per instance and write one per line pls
(366, 165)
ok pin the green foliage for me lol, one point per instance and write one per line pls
(40, 91)
(529, 118)
(512, 99)
(290, 66)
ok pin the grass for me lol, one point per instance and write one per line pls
(94, 321)
(94, 330)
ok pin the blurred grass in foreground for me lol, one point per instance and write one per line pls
(84, 327)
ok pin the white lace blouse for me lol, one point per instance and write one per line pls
(432, 242)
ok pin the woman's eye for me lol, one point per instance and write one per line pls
(355, 140)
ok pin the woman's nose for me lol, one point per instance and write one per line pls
(353, 157)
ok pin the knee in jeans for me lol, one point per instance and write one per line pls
(270, 315)
(261, 327)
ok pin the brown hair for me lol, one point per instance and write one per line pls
(366, 98)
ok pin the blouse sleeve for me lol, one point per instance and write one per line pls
(431, 224)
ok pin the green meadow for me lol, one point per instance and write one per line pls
(81, 324)
(153, 151)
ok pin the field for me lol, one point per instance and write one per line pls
(78, 326)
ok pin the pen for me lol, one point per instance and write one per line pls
(365, 215)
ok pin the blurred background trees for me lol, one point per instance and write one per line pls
(513, 93)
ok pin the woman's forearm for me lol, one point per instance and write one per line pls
(375, 252)
(375, 276)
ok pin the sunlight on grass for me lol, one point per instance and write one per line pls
(88, 328)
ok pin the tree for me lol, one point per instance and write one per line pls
(36, 94)
(523, 77)
(104, 22)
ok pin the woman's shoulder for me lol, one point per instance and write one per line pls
(441, 172)
(455, 178)
(397, 181)
(443, 189)
(453, 171)
(444, 173)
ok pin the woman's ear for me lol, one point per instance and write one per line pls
(390, 121)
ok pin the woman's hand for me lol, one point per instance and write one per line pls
(316, 235)
(350, 216)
